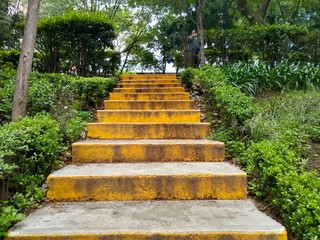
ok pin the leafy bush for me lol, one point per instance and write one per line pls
(30, 149)
(49, 92)
(8, 215)
(7, 76)
(34, 144)
(187, 77)
(298, 196)
(10, 57)
(92, 91)
(77, 39)
(274, 174)
(273, 142)
(232, 104)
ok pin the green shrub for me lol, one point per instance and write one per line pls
(49, 92)
(275, 137)
(8, 216)
(33, 146)
(233, 145)
(92, 91)
(81, 39)
(274, 172)
(234, 106)
(187, 77)
(73, 124)
(297, 196)
(10, 57)
(7, 76)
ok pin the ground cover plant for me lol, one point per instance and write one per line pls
(270, 135)
(59, 108)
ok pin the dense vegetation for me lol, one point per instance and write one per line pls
(270, 135)
(59, 108)
(270, 43)
(266, 95)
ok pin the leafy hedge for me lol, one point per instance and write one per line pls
(29, 151)
(53, 92)
(271, 146)
(59, 109)
(80, 39)
(10, 57)
(229, 101)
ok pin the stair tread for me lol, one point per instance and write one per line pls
(151, 111)
(146, 124)
(150, 169)
(149, 141)
(147, 217)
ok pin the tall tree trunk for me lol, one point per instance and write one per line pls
(199, 7)
(19, 107)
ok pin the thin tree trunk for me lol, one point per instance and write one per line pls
(125, 62)
(19, 107)
(200, 31)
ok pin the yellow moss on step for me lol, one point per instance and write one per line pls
(147, 187)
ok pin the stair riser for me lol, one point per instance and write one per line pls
(159, 236)
(123, 188)
(145, 96)
(148, 85)
(149, 105)
(149, 116)
(160, 81)
(147, 131)
(143, 77)
(111, 153)
(148, 90)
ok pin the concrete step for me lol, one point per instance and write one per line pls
(146, 220)
(158, 81)
(147, 181)
(149, 105)
(116, 151)
(148, 130)
(165, 116)
(147, 76)
(148, 85)
(149, 96)
(149, 90)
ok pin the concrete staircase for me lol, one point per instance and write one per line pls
(145, 172)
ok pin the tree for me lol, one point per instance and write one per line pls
(77, 39)
(19, 107)
(254, 16)
(182, 6)
(9, 19)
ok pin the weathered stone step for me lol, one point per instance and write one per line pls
(148, 130)
(147, 181)
(146, 220)
(116, 151)
(149, 96)
(160, 81)
(148, 85)
(149, 105)
(149, 90)
(164, 116)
